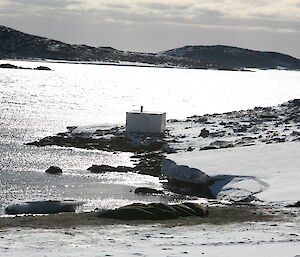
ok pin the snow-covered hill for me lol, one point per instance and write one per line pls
(236, 57)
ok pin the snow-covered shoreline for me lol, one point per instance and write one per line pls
(260, 156)
(275, 164)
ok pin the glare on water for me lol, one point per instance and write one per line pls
(35, 104)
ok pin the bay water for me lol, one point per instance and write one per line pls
(35, 104)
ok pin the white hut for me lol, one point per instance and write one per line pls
(145, 122)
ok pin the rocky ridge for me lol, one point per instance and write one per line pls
(236, 57)
(19, 45)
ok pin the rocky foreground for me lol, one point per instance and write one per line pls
(261, 125)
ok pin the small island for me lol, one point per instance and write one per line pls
(11, 66)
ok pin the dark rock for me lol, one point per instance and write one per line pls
(149, 164)
(268, 117)
(190, 149)
(187, 188)
(42, 68)
(173, 120)
(155, 211)
(295, 133)
(71, 128)
(106, 168)
(101, 168)
(202, 119)
(169, 150)
(54, 170)
(297, 204)
(208, 148)
(146, 190)
(294, 102)
(124, 169)
(204, 133)
(8, 66)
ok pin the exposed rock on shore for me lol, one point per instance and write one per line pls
(114, 139)
(297, 204)
(107, 168)
(54, 170)
(261, 125)
(147, 190)
(11, 66)
(148, 149)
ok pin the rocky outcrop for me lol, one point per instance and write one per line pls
(147, 190)
(42, 68)
(148, 149)
(155, 211)
(235, 57)
(11, 66)
(260, 125)
(54, 170)
(204, 133)
(114, 140)
(297, 204)
(19, 45)
(106, 168)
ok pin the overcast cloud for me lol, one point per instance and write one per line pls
(151, 25)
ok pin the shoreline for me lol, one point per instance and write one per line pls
(218, 215)
(196, 134)
(252, 126)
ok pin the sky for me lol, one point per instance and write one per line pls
(157, 25)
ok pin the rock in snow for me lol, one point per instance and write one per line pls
(147, 190)
(54, 170)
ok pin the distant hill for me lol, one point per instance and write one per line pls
(19, 45)
(236, 57)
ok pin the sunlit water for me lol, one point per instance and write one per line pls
(34, 104)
